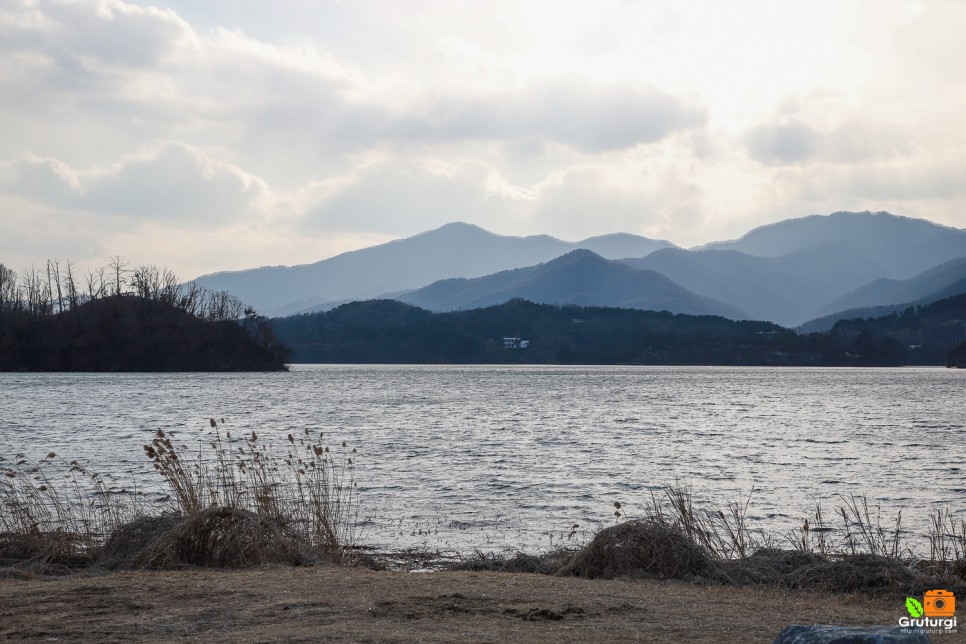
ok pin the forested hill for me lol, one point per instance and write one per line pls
(385, 331)
(132, 333)
(919, 334)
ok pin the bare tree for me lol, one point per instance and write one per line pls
(171, 289)
(118, 266)
(146, 281)
(38, 293)
(69, 285)
(191, 298)
(97, 284)
(8, 289)
(53, 282)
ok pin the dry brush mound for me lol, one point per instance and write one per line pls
(220, 537)
(640, 548)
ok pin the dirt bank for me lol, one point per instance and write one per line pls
(352, 604)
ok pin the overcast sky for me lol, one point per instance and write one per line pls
(224, 134)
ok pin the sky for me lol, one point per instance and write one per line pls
(229, 134)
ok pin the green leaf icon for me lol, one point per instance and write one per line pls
(914, 607)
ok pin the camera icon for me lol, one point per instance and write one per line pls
(939, 603)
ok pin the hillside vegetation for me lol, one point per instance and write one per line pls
(141, 320)
(385, 331)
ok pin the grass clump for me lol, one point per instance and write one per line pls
(217, 537)
(855, 572)
(640, 548)
(301, 487)
(231, 502)
(55, 514)
(678, 539)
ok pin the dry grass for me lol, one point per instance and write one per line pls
(233, 501)
(55, 513)
(947, 543)
(238, 501)
(301, 486)
(218, 537)
(640, 548)
(680, 540)
(335, 603)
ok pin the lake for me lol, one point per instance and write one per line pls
(491, 457)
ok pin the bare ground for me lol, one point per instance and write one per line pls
(353, 604)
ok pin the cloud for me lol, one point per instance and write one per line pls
(797, 142)
(938, 177)
(124, 59)
(95, 34)
(403, 196)
(650, 197)
(168, 180)
(406, 195)
(295, 125)
(591, 117)
(783, 143)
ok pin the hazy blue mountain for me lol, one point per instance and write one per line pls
(885, 291)
(787, 272)
(580, 277)
(453, 250)
(621, 245)
(899, 247)
(826, 322)
(786, 290)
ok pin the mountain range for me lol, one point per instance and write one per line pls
(789, 272)
(453, 250)
(580, 277)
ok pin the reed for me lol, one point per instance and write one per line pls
(301, 484)
(947, 541)
(232, 499)
(725, 534)
(58, 512)
(866, 533)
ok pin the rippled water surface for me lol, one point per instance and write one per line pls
(504, 457)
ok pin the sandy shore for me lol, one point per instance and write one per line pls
(352, 604)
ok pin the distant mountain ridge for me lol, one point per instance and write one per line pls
(787, 272)
(453, 250)
(786, 290)
(581, 278)
(885, 296)
(885, 291)
(901, 246)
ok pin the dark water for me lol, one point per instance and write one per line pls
(506, 457)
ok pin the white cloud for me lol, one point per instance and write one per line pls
(794, 141)
(168, 180)
(589, 116)
(403, 196)
(303, 126)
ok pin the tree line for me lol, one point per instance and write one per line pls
(124, 318)
(58, 288)
(383, 331)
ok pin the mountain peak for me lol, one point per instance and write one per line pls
(461, 226)
(864, 231)
(459, 229)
